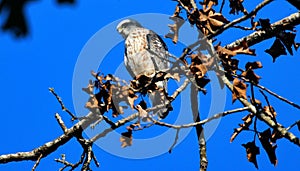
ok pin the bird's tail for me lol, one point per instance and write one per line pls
(160, 97)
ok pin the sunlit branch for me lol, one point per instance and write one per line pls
(62, 104)
(37, 163)
(259, 36)
(202, 122)
(175, 140)
(136, 115)
(268, 91)
(243, 18)
(264, 117)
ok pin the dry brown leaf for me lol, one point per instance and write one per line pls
(92, 103)
(174, 28)
(264, 138)
(239, 90)
(252, 151)
(253, 65)
(224, 51)
(245, 126)
(198, 70)
(174, 76)
(236, 6)
(131, 98)
(126, 139)
(276, 49)
(142, 113)
(207, 4)
(275, 136)
(270, 111)
(210, 21)
(288, 39)
(90, 88)
(249, 74)
(97, 76)
(255, 102)
(244, 49)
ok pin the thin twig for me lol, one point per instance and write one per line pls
(194, 100)
(268, 91)
(261, 35)
(136, 115)
(175, 140)
(278, 96)
(61, 123)
(97, 122)
(37, 163)
(269, 105)
(95, 159)
(243, 18)
(254, 102)
(294, 124)
(264, 117)
(62, 104)
(202, 122)
(222, 5)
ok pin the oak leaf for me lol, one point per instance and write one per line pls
(236, 6)
(243, 48)
(264, 138)
(276, 49)
(288, 39)
(249, 74)
(245, 126)
(270, 111)
(239, 90)
(126, 139)
(253, 65)
(90, 88)
(252, 151)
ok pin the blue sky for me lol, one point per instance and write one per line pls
(48, 56)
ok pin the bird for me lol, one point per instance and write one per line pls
(145, 54)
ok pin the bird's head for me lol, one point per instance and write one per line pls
(126, 26)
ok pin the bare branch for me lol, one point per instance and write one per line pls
(294, 124)
(37, 163)
(269, 91)
(61, 123)
(53, 145)
(264, 117)
(136, 115)
(62, 104)
(202, 122)
(243, 18)
(175, 141)
(199, 129)
(278, 96)
(259, 36)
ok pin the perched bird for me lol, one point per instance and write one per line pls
(145, 53)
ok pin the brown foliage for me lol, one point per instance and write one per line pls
(252, 151)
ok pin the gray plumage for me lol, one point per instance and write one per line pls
(145, 53)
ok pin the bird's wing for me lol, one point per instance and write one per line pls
(158, 49)
(127, 64)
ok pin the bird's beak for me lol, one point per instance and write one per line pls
(119, 29)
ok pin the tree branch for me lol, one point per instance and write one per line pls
(259, 36)
(199, 128)
(243, 18)
(202, 122)
(264, 117)
(50, 146)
